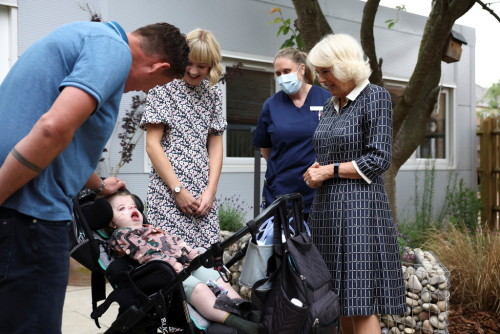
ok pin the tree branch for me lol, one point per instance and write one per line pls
(488, 9)
(368, 40)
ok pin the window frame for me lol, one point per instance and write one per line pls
(448, 163)
(12, 33)
(250, 62)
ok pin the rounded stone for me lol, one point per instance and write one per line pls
(414, 284)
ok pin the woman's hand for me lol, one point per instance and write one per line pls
(206, 201)
(186, 202)
(316, 174)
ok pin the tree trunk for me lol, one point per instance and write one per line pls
(368, 41)
(311, 22)
(413, 109)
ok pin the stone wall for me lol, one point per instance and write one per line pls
(427, 297)
(236, 268)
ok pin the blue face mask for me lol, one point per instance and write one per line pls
(289, 83)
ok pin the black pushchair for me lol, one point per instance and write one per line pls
(151, 296)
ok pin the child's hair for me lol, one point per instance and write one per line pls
(121, 192)
(298, 57)
(204, 48)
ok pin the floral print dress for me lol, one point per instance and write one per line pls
(190, 114)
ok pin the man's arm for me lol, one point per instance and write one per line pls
(48, 138)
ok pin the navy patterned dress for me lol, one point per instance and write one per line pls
(190, 114)
(351, 220)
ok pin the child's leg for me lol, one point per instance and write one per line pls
(203, 301)
(231, 293)
(205, 275)
(201, 297)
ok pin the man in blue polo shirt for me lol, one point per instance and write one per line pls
(58, 107)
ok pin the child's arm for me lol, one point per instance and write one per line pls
(186, 250)
(134, 243)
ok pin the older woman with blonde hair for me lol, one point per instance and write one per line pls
(350, 218)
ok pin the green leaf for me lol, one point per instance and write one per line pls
(390, 20)
(391, 25)
(288, 43)
(276, 20)
(280, 30)
(300, 42)
(286, 30)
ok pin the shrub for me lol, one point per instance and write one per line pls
(461, 207)
(414, 233)
(474, 263)
(232, 213)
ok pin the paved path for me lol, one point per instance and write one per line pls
(77, 309)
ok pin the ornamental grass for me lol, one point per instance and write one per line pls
(473, 258)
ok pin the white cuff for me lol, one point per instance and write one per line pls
(361, 173)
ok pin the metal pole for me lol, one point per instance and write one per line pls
(256, 183)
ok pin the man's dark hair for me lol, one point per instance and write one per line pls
(165, 41)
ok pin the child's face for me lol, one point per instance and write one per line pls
(196, 72)
(125, 213)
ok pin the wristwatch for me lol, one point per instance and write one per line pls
(177, 189)
(336, 171)
(100, 188)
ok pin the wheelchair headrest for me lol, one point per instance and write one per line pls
(99, 213)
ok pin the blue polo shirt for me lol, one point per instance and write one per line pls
(288, 131)
(92, 56)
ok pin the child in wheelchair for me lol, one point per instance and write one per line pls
(132, 237)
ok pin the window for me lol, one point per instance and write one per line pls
(244, 93)
(8, 36)
(438, 140)
(434, 146)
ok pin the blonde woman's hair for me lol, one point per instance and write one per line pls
(204, 48)
(344, 55)
(298, 57)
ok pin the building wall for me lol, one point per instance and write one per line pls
(242, 27)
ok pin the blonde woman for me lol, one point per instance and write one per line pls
(184, 125)
(350, 219)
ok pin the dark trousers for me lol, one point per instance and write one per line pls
(34, 264)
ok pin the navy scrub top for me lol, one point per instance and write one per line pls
(288, 131)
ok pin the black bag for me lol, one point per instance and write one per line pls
(301, 299)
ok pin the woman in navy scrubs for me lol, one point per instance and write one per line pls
(286, 125)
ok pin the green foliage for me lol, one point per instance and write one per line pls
(285, 28)
(392, 22)
(492, 99)
(474, 262)
(492, 96)
(460, 208)
(462, 205)
(424, 203)
(232, 213)
(413, 233)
